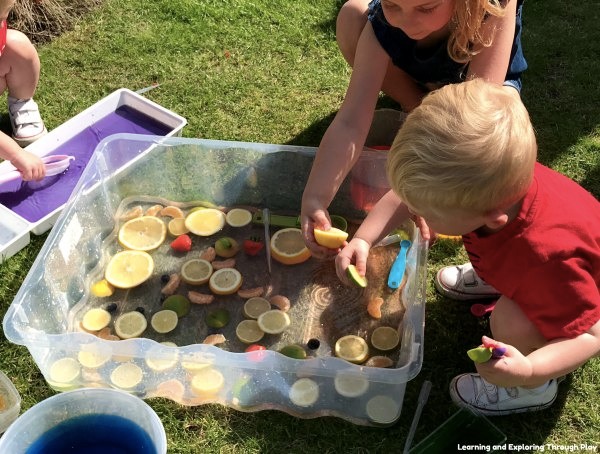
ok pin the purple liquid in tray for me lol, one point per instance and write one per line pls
(34, 200)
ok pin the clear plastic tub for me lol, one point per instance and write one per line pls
(10, 403)
(46, 313)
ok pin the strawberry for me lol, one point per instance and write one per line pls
(253, 245)
(183, 243)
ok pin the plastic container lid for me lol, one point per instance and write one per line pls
(10, 402)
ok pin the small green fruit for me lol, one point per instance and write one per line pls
(480, 354)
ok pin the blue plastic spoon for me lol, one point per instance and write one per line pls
(399, 266)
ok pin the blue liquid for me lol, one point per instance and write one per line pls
(34, 200)
(94, 434)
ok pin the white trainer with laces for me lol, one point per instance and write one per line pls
(26, 121)
(460, 282)
(471, 390)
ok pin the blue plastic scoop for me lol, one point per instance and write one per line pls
(399, 266)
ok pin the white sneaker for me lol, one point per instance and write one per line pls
(26, 121)
(470, 390)
(460, 282)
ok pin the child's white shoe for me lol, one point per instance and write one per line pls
(461, 282)
(470, 390)
(26, 121)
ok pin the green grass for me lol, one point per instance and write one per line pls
(270, 71)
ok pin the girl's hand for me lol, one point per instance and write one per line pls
(355, 252)
(30, 166)
(512, 369)
(313, 216)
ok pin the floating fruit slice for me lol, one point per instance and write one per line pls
(177, 303)
(177, 227)
(205, 222)
(238, 217)
(207, 381)
(385, 338)
(333, 238)
(256, 306)
(196, 271)
(130, 324)
(352, 348)
(304, 392)
(249, 332)
(225, 281)
(128, 269)
(161, 359)
(355, 277)
(194, 362)
(287, 246)
(95, 319)
(164, 321)
(226, 247)
(383, 409)
(274, 321)
(142, 234)
(293, 351)
(102, 288)
(350, 385)
(126, 376)
(64, 370)
(92, 356)
(217, 318)
(172, 211)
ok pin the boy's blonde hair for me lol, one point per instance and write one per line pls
(466, 39)
(468, 146)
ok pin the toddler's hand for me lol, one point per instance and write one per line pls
(356, 251)
(30, 166)
(313, 217)
(512, 369)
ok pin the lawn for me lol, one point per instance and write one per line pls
(269, 71)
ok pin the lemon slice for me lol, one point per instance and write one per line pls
(249, 332)
(385, 338)
(102, 288)
(196, 271)
(256, 306)
(333, 238)
(382, 409)
(274, 321)
(126, 376)
(177, 303)
(205, 222)
(352, 348)
(225, 281)
(355, 277)
(92, 356)
(95, 319)
(161, 359)
(142, 234)
(177, 227)
(207, 381)
(130, 324)
(238, 217)
(194, 362)
(287, 246)
(350, 385)
(128, 269)
(64, 370)
(164, 321)
(304, 392)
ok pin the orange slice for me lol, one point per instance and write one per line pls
(102, 288)
(333, 238)
(129, 269)
(172, 211)
(287, 246)
(143, 234)
(205, 222)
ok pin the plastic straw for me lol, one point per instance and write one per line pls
(423, 396)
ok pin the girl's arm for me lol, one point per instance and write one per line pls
(492, 62)
(30, 165)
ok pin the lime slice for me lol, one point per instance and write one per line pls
(256, 306)
(249, 332)
(274, 321)
(130, 324)
(126, 376)
(193, 362)
(64, 370)
(164, 321)
(95, 319)
(238, 217)
(161, 359)
(293, 351)
(177, 303)
(128, 269)
(177, 227)
(385, 338)
(142, 234)
(207, 381)
(354, 277)
(102, 288)
(382, 409)
(352, 348)
(350, 385)
(304, 392)
(225, 281)
(205, 222)
(92, 356)
(196, 271)
(287, 246)
(333, 238)
(217, 318)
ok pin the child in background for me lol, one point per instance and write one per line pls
(407, 48)
(465, 160)
(19, 73)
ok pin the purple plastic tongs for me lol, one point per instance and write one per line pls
(55, 164)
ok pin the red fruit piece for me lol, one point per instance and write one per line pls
(183, 243)
(253, 245)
